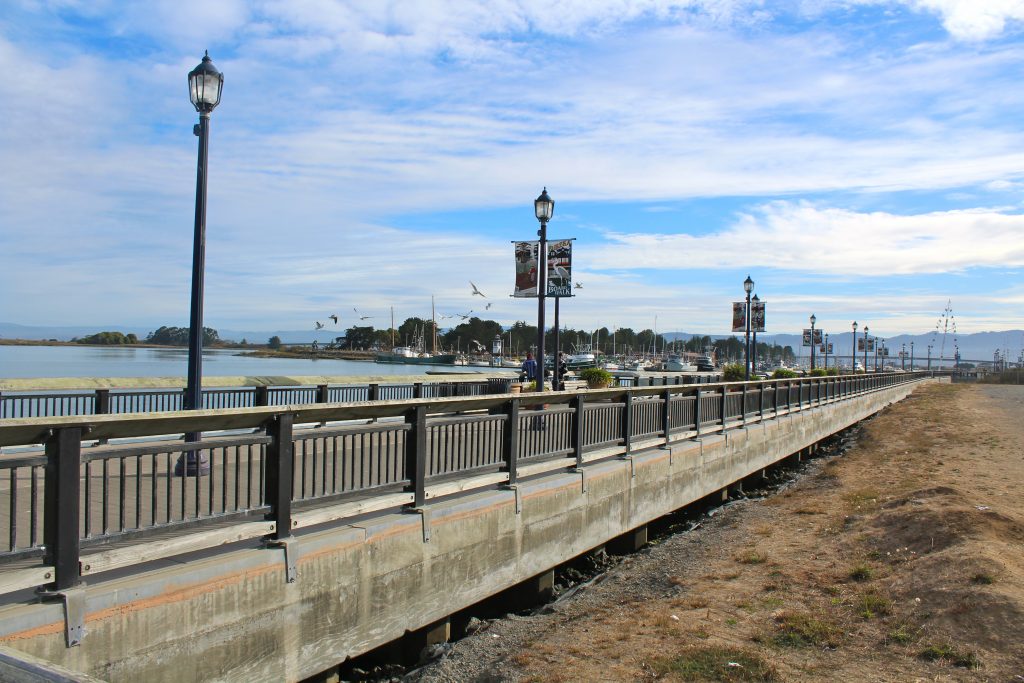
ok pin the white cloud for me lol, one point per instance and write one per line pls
(804, 237)
(973, 19)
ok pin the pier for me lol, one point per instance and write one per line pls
(325, 530)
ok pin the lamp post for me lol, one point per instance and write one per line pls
(205, 84)
(748, 287)
(543, 208)
(929, 359)
(865, 349)
(911, 356)
(853, 350)
(753, 335)
(814, 319)
(826, 350)
(903, 357)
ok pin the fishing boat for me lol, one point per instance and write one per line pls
(705, 363)
(406, 355)
(676, 363)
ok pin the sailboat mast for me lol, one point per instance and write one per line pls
(433, 322)
(392, 327)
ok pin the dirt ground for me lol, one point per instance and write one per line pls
(900, 560)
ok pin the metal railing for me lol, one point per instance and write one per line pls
(59, 502)
(22, 404)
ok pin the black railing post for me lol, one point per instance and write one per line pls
(322, 394)
(666, 416)
(743, 404)
(102, 403)
(373, 392)
(278, 481)
(62, 481)
(261, 396)
(416, 454)
(725, 395)
(417, 390)
(510, 440)
(760, 400)
(627, 420)
(696, 412)
(576, 437)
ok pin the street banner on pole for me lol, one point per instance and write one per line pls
(526, 269)
(825, 348)
(757, 316)
(739, 316)
(807, 337)
(871, 345)
(860, 343)
(817, 338)
(560, 268)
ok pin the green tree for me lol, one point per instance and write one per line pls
(178, 336)
(108, 339)
(274, 342)
(361, 337)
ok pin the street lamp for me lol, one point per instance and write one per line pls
(814, 319)
(826, 350)
(903, 357)
(865, 349)
(205, 85)
(911, 356)
(753, 333)
(748, 287)
(543, 208)
(853, 350)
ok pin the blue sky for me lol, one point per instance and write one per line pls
(861, 160)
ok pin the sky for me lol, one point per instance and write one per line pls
(858, 159)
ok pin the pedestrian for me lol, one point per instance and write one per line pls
(530, 368)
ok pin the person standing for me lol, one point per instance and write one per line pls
(530, 368)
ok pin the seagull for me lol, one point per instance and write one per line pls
(487, 307)
(362, 317)
(476, 291)
(579, 285)
(319, 325)
(334, 318)
(464, 316)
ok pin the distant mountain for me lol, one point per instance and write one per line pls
(979, 346)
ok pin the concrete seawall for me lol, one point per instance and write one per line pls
(232, 616)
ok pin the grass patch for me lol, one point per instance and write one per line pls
(947, 653)
(862, 572)
(902, 634)
(716, 664)
(871, 605)
(751, 557)
(799, 630)
(983, 579)
(863, 499)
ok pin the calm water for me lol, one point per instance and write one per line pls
(91, 361)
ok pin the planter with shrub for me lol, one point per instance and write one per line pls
(596, 378)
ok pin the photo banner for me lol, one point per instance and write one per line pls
(526, 269)
(860, 343)
(739, 316)
(871, 345)
(826, 348)
(817, 337)
(757, 316)
(807, 337)
(560, 268)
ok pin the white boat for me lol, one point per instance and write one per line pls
(676, 363)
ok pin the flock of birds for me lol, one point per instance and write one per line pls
(464, 316)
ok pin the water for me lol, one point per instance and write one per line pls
(93, 361)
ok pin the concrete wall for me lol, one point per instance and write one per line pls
(234, 617)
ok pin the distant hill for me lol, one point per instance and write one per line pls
(979, 346)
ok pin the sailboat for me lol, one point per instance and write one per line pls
(408, 355)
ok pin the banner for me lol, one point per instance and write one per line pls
(757, 316)
(807, 337)
(871, 345)
(560, 268)
(826, 348)
(860, 343)
(817, 337)
(739, 316)
(526, 269)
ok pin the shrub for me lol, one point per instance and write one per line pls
(817, 372)
(783, 373)
(733, 373)
(596, 378)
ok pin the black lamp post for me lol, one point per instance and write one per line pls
(929, 358)
(748, 287)
(826, 350)
(903, 357)
(753, 334)
(543, 208)
(911, 356)
(814, 319)
(205, 85)
(853, 350)
(865, 349)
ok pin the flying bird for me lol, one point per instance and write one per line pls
(487, 307)
(319, 325)
(362, 317)
(476, 291)
(465, 316)
(334, 318)
(579, 285)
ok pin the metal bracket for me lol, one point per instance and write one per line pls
(519, 496)
(424, 514)
(74, 612)
(290, 556)
(583, 478)
(632, 464)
